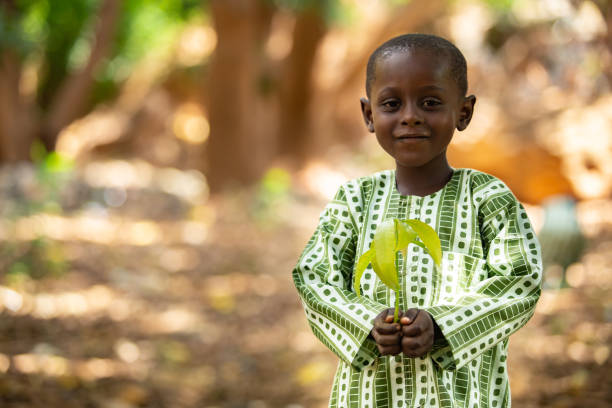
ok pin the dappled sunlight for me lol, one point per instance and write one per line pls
(100, 127)
(595, 216)
(89, 369)
(5, 363)
(172, 321)
(177, 259)
(92, 301)
(322, 179)
(190, 185)
(582, 136)
(119, 173)
(190, 124)
(195, 44)
(11, 299)
(109, 230)
(469, 25)
(280, 41)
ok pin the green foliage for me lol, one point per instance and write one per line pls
(391, 236)
(398, 2)
(35, 259)
(61, 35)
(39, 257)
(429, 238)
(65, 24)
(272, 194)
(11, 35)
(147, 25)
(385, 246)
(500, 5)
(144, 27)
(52, 172)
(276, 182)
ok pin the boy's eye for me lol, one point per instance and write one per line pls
(390, 104)
(431, 102)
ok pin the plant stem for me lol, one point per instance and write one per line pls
(396, 312)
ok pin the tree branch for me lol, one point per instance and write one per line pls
(70, 99)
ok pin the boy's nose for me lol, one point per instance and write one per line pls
(411, 116)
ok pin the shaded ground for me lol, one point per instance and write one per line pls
(147, 296)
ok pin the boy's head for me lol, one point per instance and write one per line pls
(416, 86)
(437, 46)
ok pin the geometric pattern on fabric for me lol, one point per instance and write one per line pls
(486, 289)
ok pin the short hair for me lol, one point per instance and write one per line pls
(426, 42)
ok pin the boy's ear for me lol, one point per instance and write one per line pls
(366, 111)
(467, 110)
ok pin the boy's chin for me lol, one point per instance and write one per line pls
(419, 160)
(415, 163)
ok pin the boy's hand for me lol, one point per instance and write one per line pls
(417, 332)
(387, 334)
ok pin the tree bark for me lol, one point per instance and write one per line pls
(16, 119)
(237, 151)
(15, 125)
(296, 87)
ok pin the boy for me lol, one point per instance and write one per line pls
(449, 349)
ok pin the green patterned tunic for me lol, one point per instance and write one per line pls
(486, 289)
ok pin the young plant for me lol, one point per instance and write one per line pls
(392, 236)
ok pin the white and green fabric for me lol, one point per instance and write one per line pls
(486, 289)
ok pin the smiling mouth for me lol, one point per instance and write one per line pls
(411, 137)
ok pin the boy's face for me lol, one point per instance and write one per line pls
(415, 106)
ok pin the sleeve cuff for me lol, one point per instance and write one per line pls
(366, 355)
(368, 352)
(442, 355)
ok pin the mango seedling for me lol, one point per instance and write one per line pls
(391, 236)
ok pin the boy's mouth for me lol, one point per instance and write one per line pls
(411, 137)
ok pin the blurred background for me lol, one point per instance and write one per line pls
(163, 163)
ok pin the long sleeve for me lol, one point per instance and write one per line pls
(323, 278)
(486, 313)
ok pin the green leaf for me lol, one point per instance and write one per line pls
(429, 238)
(391, 236)
(362, 264)
(405, 236)
(385, 244)
(418, 243)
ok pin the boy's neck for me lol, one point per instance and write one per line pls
(424, 180)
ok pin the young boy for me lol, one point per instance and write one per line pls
(449, 349)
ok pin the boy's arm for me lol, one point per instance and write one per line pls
(496, 307)
(323, 278)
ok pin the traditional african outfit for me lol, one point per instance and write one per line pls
(485, 290)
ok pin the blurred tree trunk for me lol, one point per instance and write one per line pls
(15, 124)
(15, 128)
(256, 117)
(296, 88)
(239, 146)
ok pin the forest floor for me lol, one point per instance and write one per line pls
(121, 293)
